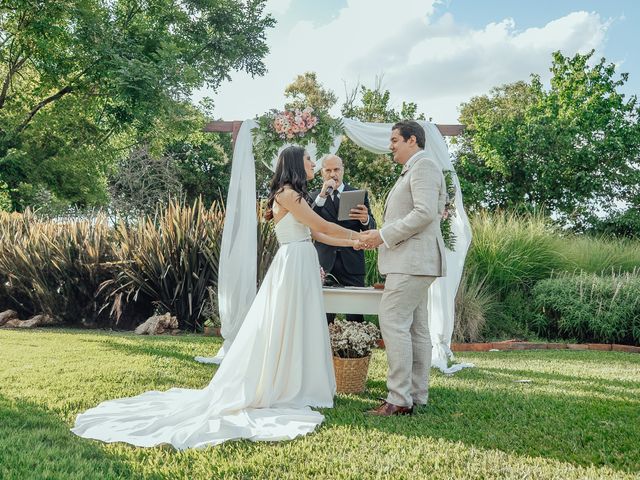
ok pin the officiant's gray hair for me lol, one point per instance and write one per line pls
(328, 156)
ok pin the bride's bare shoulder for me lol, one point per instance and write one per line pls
(285, 195)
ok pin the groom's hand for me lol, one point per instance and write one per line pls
(371, 239)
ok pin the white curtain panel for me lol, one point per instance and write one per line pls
(237, 275)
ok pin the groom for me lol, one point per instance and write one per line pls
(411, 255)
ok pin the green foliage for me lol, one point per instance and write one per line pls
(171, 258)
(203, 168)
(364, 168)
(372, 275)
(267, 243)
(475, 303)
(588, 307)
(564, 149)
(623, 225)
(600, 254)
(5, 197)
(81, 79)
(512, 317)
(513, 251)
(56, 268)
(449, 213)
(306, 91)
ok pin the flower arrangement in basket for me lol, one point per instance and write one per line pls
(449, 213)
(301, 127)
(352, 343)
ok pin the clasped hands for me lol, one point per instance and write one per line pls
(367, 240)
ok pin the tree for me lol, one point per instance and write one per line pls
(566, 149)
(89, 79)
(306, 91)
(364, 168)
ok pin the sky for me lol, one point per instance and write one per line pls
(437, 53)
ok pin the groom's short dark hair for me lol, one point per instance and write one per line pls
(408, 128)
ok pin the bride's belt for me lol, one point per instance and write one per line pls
(308, 239)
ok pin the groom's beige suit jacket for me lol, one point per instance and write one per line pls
(413, 242)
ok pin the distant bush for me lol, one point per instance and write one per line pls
(625, 224)
(589, 307)
(55, 267)
(599, 254)
(513, 251)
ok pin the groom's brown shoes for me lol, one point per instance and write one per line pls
(389, 409)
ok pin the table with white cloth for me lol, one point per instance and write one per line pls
(363, 300)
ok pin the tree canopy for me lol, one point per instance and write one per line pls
(82, 81)
(569, 149)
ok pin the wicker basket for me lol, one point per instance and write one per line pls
(351, 374)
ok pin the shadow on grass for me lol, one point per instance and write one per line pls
(35, 443)
(580, 430)
(153, 346)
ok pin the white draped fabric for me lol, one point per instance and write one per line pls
(237, 275)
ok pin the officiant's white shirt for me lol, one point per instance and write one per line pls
(320, 201)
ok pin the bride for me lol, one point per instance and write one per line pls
(279, 364)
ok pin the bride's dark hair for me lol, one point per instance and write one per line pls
(289, 171)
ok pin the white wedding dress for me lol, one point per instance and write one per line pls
(279, 365)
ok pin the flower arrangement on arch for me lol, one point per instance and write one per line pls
(449, 213)
(277, 128)
(353, 339)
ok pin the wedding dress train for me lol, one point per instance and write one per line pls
(278, 366)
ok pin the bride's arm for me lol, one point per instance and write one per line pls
(290, 200)
(338, 242)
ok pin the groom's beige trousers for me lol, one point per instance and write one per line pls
(404, 322)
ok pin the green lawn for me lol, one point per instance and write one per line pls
(579, 417)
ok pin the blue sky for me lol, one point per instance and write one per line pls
(436, 53)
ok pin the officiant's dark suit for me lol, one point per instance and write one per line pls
(344, 263)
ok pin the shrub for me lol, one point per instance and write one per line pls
(267, 243)
(372, 275)
(589, 307)
(5, 197)
(172, 258)
(624, 224)
(513, 251)
(474, 303)
(600, 254)
(56, 267)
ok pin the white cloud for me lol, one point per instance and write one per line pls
(278, 7)
(437, 64)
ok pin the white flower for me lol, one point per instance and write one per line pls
(353, 339)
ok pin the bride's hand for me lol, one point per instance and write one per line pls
(357, 244)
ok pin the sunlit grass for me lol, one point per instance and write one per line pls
(577, 417)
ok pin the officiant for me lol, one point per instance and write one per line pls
(345, 265)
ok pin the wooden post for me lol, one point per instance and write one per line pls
(234, 127)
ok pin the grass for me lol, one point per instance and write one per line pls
(577, 418)
(601, 254)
